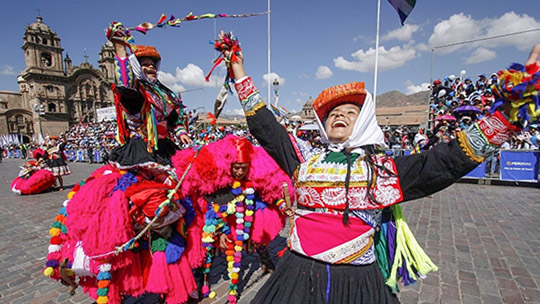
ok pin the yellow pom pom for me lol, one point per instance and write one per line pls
(208, 239)
(216, 207)
(70, 195)
(249, 212)
(236, 184)
(238, 248)
(54, 231)
(212, 295)
(48, 272)
(102, 300)
(234, 275)
(240, 197)
(230, 258)
(232, 292)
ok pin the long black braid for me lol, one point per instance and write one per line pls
(371, 151)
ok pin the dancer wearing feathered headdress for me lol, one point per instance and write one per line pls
(236, 190)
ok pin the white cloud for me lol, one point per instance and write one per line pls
(481, 55)
(403, 33)
(234, 111)
(8, 70)
(323, 72)
(411, 88)
(388, 59)
(461, 28)
(269, 78)
(360, 37)
(300, 93)
(303, 76)
(191, 75)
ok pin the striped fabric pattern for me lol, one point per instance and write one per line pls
(403, 8)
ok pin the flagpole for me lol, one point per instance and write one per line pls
(377, 51)
(269, 69)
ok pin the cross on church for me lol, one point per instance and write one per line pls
(85, 56)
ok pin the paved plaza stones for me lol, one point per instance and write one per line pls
(484, 238)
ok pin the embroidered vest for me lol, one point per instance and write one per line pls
(322, 184)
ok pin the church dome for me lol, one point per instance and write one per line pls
(40, 26)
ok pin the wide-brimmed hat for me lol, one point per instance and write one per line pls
(147, 51)
(328, 99)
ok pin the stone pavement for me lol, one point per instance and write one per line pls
(485, 240)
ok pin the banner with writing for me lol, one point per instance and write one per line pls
(519, 165)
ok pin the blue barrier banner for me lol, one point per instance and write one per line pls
(478, 172)
(519, 165)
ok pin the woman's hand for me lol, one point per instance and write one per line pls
(534, 55)
(237, 65)
(224, 241)
(185, 139)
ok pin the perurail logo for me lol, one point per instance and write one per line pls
(517, 163)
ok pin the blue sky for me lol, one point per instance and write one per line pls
(315, 44)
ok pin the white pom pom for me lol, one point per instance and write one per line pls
(54, 248)
(105, 267)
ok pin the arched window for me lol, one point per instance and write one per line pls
(19, 119)
(51, 107)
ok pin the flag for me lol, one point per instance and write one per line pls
(283, 111)
(275, 110)
(403, 8)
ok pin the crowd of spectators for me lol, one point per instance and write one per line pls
(455, 104)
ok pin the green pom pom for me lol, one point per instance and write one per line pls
(158, 244)
(63, 229)
(102, 291)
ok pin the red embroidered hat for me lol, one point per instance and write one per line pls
(328, 99)
(146, 51)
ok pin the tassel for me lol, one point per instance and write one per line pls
(180, 278)
(157, 278)
(408, 254)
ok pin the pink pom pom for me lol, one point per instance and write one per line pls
(205, 289)
(232, 299)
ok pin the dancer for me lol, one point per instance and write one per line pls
(237, 192)
(350, 190)
(120, 232)
(34, 177)
(56, 160)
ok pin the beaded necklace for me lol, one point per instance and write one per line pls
(242, 206)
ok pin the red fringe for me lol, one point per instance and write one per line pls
(157, 278)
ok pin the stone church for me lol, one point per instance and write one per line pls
(53, 93)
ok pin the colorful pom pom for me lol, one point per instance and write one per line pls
(49, 271)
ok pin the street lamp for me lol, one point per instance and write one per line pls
(40, 111)
(276, 87)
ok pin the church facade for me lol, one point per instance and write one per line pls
(54, 94)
